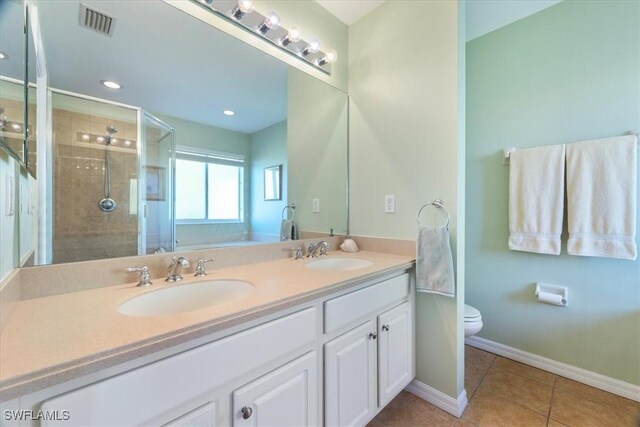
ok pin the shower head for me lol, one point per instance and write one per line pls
(111, 129)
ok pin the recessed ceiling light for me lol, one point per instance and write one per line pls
(110, 84)
(229, 113)
(4, 55)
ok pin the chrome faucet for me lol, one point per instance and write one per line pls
(322, 245)
(174, 272)
(145, 277)
(201, 270)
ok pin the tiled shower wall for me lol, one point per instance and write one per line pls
(81, 230)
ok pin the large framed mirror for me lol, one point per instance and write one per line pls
(175, 130)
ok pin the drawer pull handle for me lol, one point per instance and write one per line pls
(246, 412)
(373, 336)
(385, 328)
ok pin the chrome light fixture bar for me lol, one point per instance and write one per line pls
(267, 27)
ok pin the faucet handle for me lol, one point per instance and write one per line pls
(297, 252)
(323, 248)
(200, 268)
(145, 277)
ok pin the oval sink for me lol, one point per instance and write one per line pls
(339, 264)
(185, 298)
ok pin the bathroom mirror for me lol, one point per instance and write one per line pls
(12, 77)
(273, 183)
(180, 150)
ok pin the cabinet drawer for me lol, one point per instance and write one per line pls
(142, 394)
(348, 308)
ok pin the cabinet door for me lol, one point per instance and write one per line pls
(285, 397)
(204, 416)
(350, 377)
(395, 352)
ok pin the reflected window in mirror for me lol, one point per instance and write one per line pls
(209, 187)
(273, 183)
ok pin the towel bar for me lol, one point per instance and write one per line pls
(285, 212)
(438, 204)
(506, 152)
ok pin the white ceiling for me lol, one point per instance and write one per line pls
(349, 11)
(167, 62)
(485, 16)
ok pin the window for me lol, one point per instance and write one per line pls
(209, 187)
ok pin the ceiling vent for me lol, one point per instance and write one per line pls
(96, 21)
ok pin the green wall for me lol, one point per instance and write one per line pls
(268, 148)
(404, 139)
(566, 74)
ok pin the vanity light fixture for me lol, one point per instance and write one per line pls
(242, 8)
(312, 47)
(329, 58)
(111, 84)
(271, 22)
(229, 113)
(267, 27)
(4, 55)
(293, 36)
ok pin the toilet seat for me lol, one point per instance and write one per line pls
(471, 314)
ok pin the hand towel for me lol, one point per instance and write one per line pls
(286, 229)
(434, 263)
(601, 197)
(536, 199)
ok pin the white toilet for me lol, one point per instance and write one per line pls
(472, 321)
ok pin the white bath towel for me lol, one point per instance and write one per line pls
(434, 263)
(286, 229)
(536, 199)
(601, 197)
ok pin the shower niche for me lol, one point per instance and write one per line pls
(113, 184)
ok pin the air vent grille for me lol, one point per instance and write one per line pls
(96, 21)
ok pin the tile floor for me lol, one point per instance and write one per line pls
(502, 392)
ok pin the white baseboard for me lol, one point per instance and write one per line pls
(612, 385)
(437, 398)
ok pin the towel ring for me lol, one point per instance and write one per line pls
(438, 204)
(285, 211)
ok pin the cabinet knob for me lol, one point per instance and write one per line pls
(373, 336)
(246, 412)
(385, 328)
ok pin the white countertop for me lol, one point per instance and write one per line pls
(58, 338)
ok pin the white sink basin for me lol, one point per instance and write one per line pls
(341, 264)
(185, 298)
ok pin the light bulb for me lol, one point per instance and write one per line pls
(293, 36)
(100, 139)
(271, 22)
(127, 143)
(312, 47)
(4, 55)
(111, 84)
(242, 8)
(85, 137)
(329, 58)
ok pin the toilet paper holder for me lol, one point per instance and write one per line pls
(552, 294)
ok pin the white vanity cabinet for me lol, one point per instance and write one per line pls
(366, 367)
(286, 397)
(267, 373)
(350, 377)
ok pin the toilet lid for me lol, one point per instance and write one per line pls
(471, 313)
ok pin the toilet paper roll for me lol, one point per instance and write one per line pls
(550, 298)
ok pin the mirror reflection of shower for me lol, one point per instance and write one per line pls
(107, 204)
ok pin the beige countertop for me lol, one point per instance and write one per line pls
(58, 338)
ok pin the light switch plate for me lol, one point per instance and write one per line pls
(316, 205)
(390, 203)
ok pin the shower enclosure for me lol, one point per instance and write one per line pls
(107, 155)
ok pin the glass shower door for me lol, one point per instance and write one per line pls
(157, 181)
